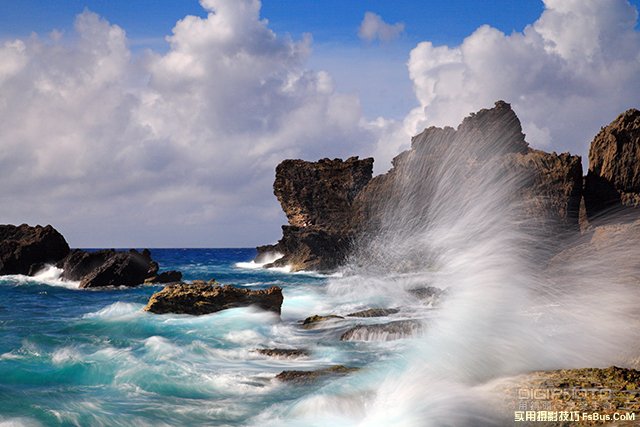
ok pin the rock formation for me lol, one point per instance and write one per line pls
(109, 267)
(613, 179)
(25, 249)
(204, 298)
(330, 203)
(383, 331)
(307, 377)
(317, 199)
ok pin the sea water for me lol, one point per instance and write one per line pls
(93, 357)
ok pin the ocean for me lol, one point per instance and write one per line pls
(74, 357)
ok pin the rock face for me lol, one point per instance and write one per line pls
(317, 198)
(25, 249)
(331, 203)
(108, 267)
(204, 298)
(613, 179)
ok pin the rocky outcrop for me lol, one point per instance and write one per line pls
(204, 298)
(108, 267)
(315, 320)
(374, 312)
(284, 353)
(317, 198)
(25, 249)
(171, 276)
(331, 203)
(613, 179)
(383, 331)
(307, 377)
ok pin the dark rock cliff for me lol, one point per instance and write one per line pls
(25, 249)
(613, 179)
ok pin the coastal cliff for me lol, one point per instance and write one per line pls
(331, 203)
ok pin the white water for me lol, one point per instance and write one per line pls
(462, 229)
(50, 275)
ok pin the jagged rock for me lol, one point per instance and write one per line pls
(25, 249)
(108, 267)
(202, 298)
(286, 353)
(317, 198)
(613, 179)
(374, 312)
(312, 321)
(306, 377)
(170, 276)
(383, 331)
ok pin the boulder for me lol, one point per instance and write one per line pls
(613, 179)
(204, 298)
(313, 321)
(25, 249)
(108, 267)
(307, 377)
(374, 312)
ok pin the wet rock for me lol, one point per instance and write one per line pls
(284, 353)
(170, 276)
(25, 249)
(383, 331)
(429, 295)
(307, 377)
(374, 312)
(613, 179)
(204, 298)
(313, 321)
(108, 267)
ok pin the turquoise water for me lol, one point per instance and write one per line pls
(93, 357)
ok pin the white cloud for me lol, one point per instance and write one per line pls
(373, 27)
(164, 149)
(567, 74)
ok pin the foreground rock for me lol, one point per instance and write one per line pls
(383, 331)
(374, 312)
(204, 298)
(575, 392)
(25, 249)
(284, 353)
(317, 198)
(613, 180)
(307, 377)
(108, 267)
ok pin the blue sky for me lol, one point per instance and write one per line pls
(119, 138)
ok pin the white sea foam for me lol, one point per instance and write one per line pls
(50, 275)
(267, 258)
(117, 311)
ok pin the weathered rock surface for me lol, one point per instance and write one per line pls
(204, 298)
(374, 312)
(171, 276)
(108, 267)
(317, 198)
(383, 331)
(604, 391)
(613, 179)
(307, 377)
(25, 249)
(284, 353)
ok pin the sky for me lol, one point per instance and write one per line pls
(160, 123)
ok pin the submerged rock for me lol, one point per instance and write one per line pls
(108, 267)
(306, 377)
(284, 353)
(312, 321)
(383, 331)
(25, 249)
(204, 298)
(374, 312)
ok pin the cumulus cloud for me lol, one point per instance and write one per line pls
(164, 149)
(573, 70)
(373, 28)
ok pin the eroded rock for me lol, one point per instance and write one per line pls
(204, 298)
(313, 321)
(284, 353)
(307, 377)
(383, 331)
(25, 249)
(374, 312)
